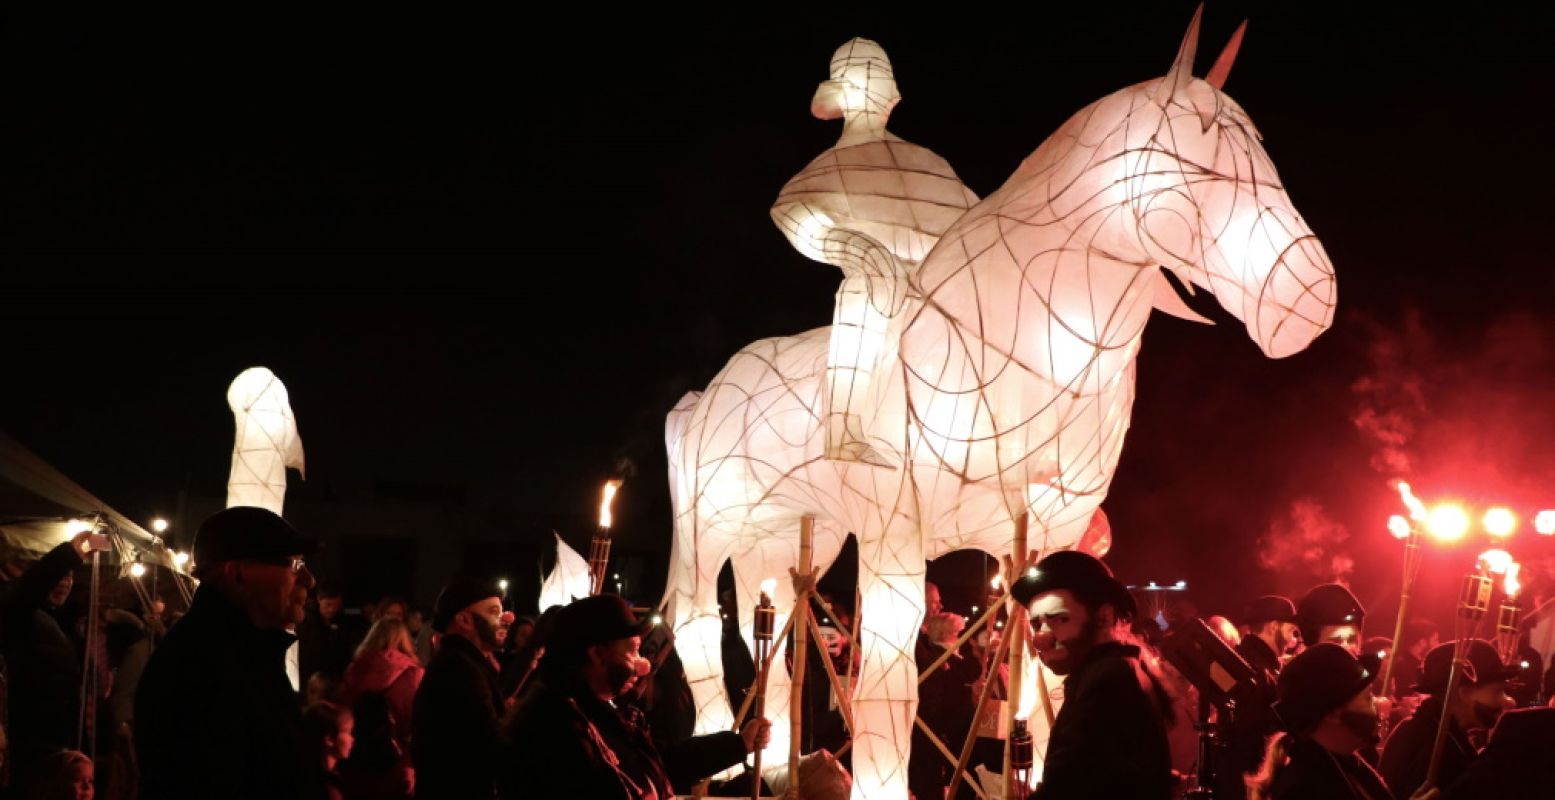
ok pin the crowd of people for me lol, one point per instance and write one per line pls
(465, 700)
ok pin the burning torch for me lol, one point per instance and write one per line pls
(766, 615)
(599, 549)
(1473, 602)
(1409, 531)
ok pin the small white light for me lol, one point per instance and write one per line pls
(1151, 585)
(616, 576)
(1525, 665)
(180, 558)
(657, 620)
(1182, 584)
(503, 585)
(1382, 654)
(1349, 617)
(974, 609)
(137, 569)
(1031, 572)
(159, 525)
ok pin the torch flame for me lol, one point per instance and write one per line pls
(1500, 522)
(1544, 522)
(1398, 526)
(768, 586)
(996, 582)
(1028, 686)
(1497, 561)
(1513, 585)
(608, 496)
(1448, 522)
(1416, 508)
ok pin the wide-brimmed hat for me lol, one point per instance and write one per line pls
(1484, 667)
(600, 619)
(460, 593)
(1084, 575)
(1322, 678)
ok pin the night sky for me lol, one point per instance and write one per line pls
(492, 251)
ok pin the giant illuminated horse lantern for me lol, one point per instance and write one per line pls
(1010, 387)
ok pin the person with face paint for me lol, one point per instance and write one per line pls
(567, 737)
(1326, 714)
(455, 740)
(1475, 704)
(1109, 738)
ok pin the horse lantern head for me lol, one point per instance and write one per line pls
(1209, 206)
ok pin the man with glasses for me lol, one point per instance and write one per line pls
(215, 715)
(454, 738)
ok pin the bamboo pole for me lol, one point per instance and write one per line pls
(1014, 632)
(844, 700)
(804, 584)
(982, 701)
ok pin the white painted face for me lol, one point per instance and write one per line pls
(1058, 624)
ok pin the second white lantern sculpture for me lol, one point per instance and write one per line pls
(1003, 382)
(267, 440)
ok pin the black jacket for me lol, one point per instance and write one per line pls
(1316, 774)
(43, 659)
(1407, 757)
(562, 741)
(326, 647)
(1253, 721)
(454, 740)
(1109, 739)
(215, 715)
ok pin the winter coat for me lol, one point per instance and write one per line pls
(215, 715)
(1316, 774)
(391, 673)
(1109, 738)
(43, 660)
(562, 741)
(1407, 756)
(455, 742)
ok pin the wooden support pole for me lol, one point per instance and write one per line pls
(982, 701)
(1014, 632)
(804, 584)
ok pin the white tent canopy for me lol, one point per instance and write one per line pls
(40, 506)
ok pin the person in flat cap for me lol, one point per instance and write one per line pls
(215, 714)
(1326, 716)
(455, 739)
(1270, 622)
(1109, 739)
(568, 736)
(1329, 612)
(1475, 704)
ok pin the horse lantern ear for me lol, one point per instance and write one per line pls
(1181, 72)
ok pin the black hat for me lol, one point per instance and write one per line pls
(244, 533)
(1269, 608)
(1084, 575)
(1322, 678)
(600, 619)
(1484, 667)
(1327, 604)
(461, 593)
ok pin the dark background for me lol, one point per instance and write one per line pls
(487, 251)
